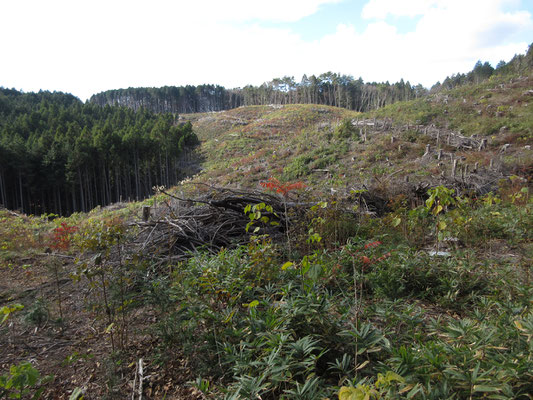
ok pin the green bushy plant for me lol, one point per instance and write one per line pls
(22, 380)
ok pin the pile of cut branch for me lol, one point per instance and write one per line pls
(211, 222)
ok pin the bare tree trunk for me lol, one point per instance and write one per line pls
(59, 201)
(136, 167)
(21, 204)
(2, 189)
(82, 196)
(166, 168)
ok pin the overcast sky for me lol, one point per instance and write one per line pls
(87, 46)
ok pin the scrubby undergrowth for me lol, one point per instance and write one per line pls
(342, 304)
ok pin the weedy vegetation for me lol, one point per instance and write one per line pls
(424, 302)
(368, 314)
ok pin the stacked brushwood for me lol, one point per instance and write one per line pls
(210, 222)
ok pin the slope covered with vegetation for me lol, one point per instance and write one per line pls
(484, 128)
(382, 255)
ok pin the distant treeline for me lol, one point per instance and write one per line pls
(328, 89)
(521, 63)
(58, 155)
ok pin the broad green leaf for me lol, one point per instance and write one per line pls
(396, 221)
(288, 264)
(361, 366)
(351, 393)
(484, 388)
(430, 201)
(518, 325)
(388, 378)
(8, 310)
(248, 225)
(229, 317)
(110, 327)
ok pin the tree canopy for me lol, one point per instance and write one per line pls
(329, 88)
(60, 155)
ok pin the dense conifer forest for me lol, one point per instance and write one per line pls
(58, 155)
(327, 89)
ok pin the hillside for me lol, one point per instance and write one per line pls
(317, 253)
(487, 128)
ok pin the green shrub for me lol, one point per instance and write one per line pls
(346, 129)
(297, 168)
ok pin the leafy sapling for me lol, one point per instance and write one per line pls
(440, 198)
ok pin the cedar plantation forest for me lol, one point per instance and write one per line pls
(58, 155)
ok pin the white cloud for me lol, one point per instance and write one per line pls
(450, 36)
(86, 47)
(243, 10)
(406, 8)
(95, 45)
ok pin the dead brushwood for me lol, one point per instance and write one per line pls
(211, 222)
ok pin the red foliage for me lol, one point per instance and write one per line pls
(367, 261)
(61, 236)
(372, 244)
(283, 188)
(384, 256)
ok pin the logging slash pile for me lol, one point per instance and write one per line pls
(211, 222)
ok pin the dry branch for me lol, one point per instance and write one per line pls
(210, 222)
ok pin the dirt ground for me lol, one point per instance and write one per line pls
(75, 348)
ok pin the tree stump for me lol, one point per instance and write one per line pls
(146, 213)
(454, 168)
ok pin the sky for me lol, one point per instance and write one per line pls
(87, 46)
